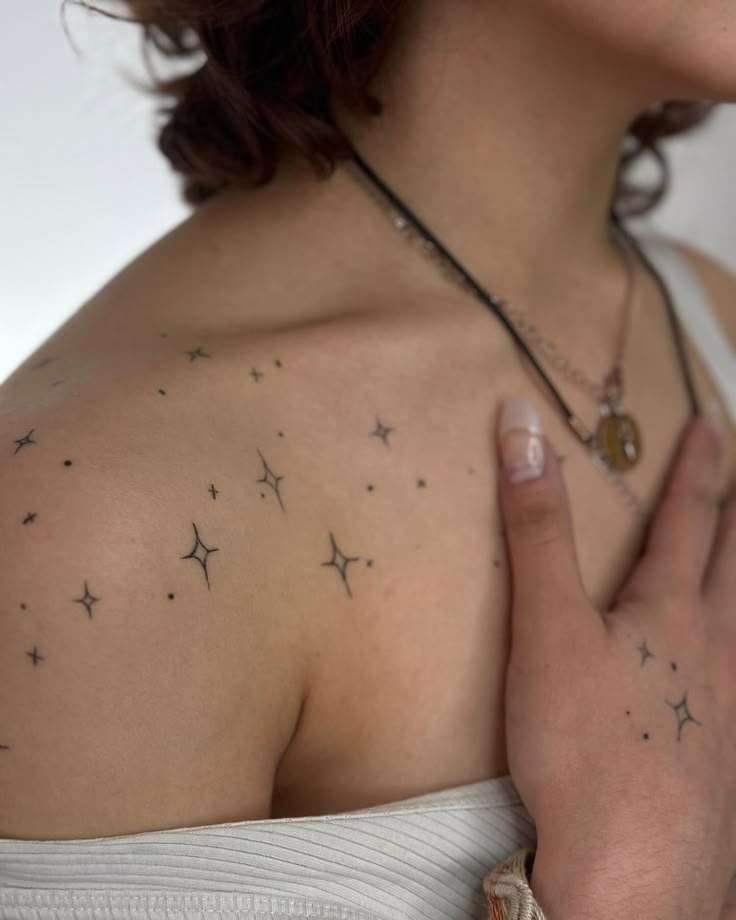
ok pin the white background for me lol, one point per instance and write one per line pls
(84, 188)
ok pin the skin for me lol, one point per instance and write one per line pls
(261, 460)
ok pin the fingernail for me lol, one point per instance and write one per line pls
(714, 415)
(522, 449)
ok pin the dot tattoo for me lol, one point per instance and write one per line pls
(88, 599)
(30, 517)
(256, 375)
(197, 353)
(35, 656)
(200, 557)
(645, 653)
(26, 439)
(683, 714)
(382, 432)
(341, 562)
(270, 479)
(213, 491)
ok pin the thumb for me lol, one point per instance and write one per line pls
(537, 522)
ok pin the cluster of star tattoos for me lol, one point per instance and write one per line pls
(269, 480)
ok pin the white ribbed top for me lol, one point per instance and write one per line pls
(422, 858)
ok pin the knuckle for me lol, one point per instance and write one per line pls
(538, 516)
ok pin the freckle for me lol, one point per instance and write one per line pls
(280, 434)
(162, 392)
(263, 494)
(471, 470)
(277, 363)
(628, 712)
(171, 596)
(164, 334)
(421, 483)
(67, 463)
(369, 487)
(22, 606)
(496, 563)
(674, 666)
(645, 736)
(369, 564)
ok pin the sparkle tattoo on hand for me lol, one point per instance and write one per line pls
(645, 653)
(683, 714)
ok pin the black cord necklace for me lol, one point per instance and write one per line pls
(586, 437)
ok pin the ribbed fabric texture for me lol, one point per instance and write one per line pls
(420, 859)
(424, 858)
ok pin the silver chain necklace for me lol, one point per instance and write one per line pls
(607, 394)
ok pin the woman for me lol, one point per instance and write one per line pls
(264, 484)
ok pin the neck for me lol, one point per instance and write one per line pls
(504, 138)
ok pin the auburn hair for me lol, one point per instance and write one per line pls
(266, 72)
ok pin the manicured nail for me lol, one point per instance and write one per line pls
(715, 417)
(522, 448)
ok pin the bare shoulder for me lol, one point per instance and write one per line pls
(149, 676)
(719, 282)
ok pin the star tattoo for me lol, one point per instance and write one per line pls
(35, 656)
(645, 653)
(341, 562)
(381, 431)
(683, 714)
(271, 479)
(202, 556)
(256, 375)
(26, 439)
(88, 599)
(197, 353)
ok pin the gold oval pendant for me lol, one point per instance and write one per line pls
(620, 440)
